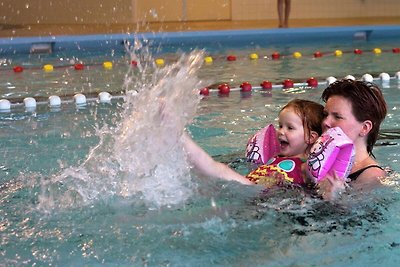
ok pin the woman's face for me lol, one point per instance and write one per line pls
(338, 112)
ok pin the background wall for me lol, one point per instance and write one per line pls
(130, 11)
(65, 11)
(304, 9)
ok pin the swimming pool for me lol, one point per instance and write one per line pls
(73, 193)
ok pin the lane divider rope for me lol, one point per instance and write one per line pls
(208, 59)
(54, 101)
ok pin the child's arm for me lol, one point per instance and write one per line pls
(207, 165)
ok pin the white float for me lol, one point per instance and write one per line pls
(104, 97)
(5, 105)
(385, 77)
(54, 101)
(80, 99)
(30, 103)
(350, 77)
(367, 78)
(330, 80)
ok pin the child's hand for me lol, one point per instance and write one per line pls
(332, 186)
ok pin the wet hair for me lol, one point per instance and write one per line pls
(367, 103)
(311, 114)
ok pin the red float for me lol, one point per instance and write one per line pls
(134, 63)
(288, 84)
(276, 55)
(396, 50)
(205, 91)
(317, 54)
(357, 51)
(312, 82)
(18, 69)
(245, 87)
(231, 58)
(224, 89)
(79, 66)
(266, 85)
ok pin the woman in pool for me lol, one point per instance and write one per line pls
(358, 108)
(299, 127)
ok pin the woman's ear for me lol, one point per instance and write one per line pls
(313, 137)
(366, 128)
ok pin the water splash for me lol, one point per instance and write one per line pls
(143, 154)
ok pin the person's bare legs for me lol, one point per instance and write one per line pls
(284, 12)
(287, 13)
(280, 13)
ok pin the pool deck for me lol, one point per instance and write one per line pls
(47, 30)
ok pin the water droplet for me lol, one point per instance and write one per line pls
(153, 13)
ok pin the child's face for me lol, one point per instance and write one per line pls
(291, 134)
(338, 111)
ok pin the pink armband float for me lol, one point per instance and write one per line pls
(333, 151)
(263, 145)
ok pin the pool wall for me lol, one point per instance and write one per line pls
(21, 45)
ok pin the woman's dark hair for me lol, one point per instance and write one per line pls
(367, 102)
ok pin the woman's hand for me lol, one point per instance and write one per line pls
(331, 187)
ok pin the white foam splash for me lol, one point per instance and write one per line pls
(143, 155)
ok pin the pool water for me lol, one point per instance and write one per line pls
(66, 81)
(108, 184)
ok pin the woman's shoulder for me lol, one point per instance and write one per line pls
(370, 176)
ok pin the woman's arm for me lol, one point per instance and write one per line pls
(332, 186)
(207, 165)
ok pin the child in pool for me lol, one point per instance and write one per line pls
(299, 127)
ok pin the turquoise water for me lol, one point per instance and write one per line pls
(107, 184)
(64, 80)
